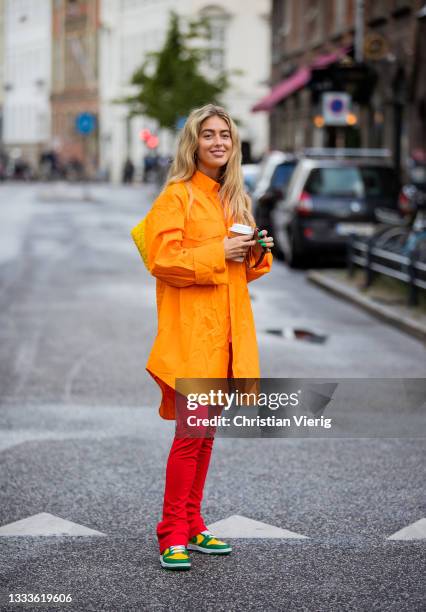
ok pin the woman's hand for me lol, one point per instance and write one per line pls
(237, 247)
(267, 241)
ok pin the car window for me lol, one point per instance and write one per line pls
(344, 181)
(352, 181)
(266, 171)
(379, 182)
(282, 174)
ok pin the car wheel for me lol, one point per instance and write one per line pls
(294, 257)
(277, 252)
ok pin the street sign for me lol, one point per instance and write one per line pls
(375, 46)
(85, 123)
(335, 107)
(180, 122)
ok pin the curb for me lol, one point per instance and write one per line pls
(413, 328)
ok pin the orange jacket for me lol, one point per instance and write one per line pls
(202, 299)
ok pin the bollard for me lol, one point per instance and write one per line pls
(412, 287)
(349, 253)
(368, 270)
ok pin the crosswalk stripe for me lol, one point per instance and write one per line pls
(237, 526)
(45, 524)
(414, 531)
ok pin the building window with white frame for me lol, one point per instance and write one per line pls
(217, 20)
(340, 8)
(285, 28)
(313, 21)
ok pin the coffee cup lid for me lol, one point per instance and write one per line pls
(240, 228)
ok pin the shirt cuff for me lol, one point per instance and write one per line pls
(210, 264)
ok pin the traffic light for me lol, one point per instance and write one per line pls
(152, 142)
(145, 134)
(150, 139)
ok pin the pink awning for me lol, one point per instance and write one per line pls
(322, 61)
(284, 89)
(297, 80)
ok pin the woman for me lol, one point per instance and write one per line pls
(205, 321)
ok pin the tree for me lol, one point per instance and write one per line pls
(170, 81)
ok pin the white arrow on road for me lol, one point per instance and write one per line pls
(415, 531)
(45, 524)
(237, 526)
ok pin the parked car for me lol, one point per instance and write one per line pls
(328, 199)
(266, 169)
(275, 191)
(250, 176)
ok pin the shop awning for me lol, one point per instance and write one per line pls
(297, 80)
(323, 61)
(284, 89)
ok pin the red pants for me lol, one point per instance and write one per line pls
(186, 474)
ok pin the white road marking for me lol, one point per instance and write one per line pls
(237, 526)
(45, 524)
(415, 531)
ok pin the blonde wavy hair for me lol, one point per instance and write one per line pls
(236, 202)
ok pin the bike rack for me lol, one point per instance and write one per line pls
(407, 268)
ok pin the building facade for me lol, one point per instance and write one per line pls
(363, 48)
(75, 96)
(27, 77)
(129, 29)
(132, 28)
(1, 73)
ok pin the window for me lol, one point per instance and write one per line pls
(402, 4)
(73, 8)
(287, 17)
(77, 66)
(217, 19)
(313, 21)
(344, 181)
(282, 174)
(352, 181)
(137, 4)
(76, 9)
(340, 7)
(215, 59)
(379, 182)
(377, 9)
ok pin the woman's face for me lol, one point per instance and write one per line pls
(214, 144)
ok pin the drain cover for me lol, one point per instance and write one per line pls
(298, 334)
(274, 332)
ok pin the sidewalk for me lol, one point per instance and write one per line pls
(386, 298)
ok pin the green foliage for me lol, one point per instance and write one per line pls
(170, 82)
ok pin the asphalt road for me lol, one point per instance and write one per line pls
(80, 437)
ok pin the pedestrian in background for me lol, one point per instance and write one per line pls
(205, 321)
(128, 171)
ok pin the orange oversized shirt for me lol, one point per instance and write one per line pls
(202, 298)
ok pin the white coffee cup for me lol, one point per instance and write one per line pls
(238, 229)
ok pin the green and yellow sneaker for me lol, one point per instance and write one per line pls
(205, 542)
(175, 558)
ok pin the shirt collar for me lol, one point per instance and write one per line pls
(204, 182)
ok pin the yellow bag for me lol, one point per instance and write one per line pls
(138, 235)
(138, 232)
